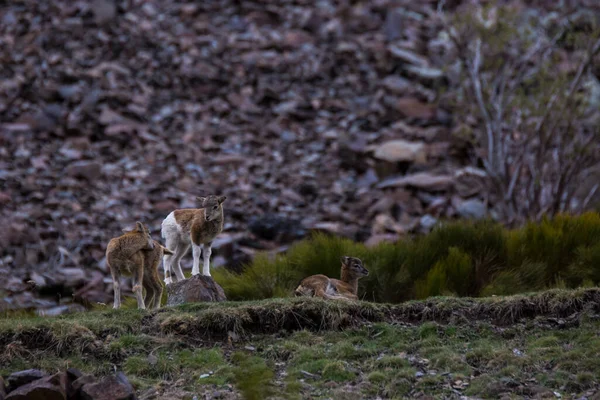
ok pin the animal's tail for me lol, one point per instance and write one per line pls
(167, 251)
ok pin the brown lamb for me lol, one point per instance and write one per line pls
(135, 254)
(151, 279)
(345, 288)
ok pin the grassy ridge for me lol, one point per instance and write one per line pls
(525, 344)
(459, 258)
(216, 321)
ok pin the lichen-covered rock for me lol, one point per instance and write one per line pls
(198, 288)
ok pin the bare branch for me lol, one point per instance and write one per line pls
(476, 81)
(589, 197)
(533, 166)
(583, 66)
(513, 181)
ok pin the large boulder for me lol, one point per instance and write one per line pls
(198, 288)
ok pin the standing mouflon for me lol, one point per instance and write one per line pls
(123, 257)
(151, 280)
(195, 227)
(345, 288)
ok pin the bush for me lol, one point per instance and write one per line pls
(458, 258)
(484, 242)
(278, 276)
(452, 275)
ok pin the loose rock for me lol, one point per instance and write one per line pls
(401, 150)
(109, 388)
(21, 378)
(198, 288)
(421, 180)
(472, 209)
(40, 389)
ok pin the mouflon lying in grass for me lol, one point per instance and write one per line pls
(195, 227)
(345, 288)
(135, 253)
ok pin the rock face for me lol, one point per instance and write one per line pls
(198, 288)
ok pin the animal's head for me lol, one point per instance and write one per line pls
(141, 230)
(213, 206)
(355, 266)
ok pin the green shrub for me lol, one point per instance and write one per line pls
(484, 241)
(585, 267)
(554, 242)
(435, 284)
(385, 281)
(505, 283)
(458, 258)
(278, 276)
(452, 275)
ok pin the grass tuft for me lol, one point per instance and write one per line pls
(252, 376)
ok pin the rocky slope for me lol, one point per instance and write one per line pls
(307, 116)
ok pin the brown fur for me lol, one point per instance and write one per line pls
(124, 257)
(345, 288)
(193, 222)
(151, 280)
(197, 227)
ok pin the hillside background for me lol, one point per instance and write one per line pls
(347, 117)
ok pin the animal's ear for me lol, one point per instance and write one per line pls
(221, 199)
(202, 201)
(140, 227)
(345, 260)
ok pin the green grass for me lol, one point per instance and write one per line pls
(456, 259)
(490, 346)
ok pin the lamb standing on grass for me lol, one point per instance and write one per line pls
(151, 280)
(197, 227)
(328, 288)
(123, 256)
